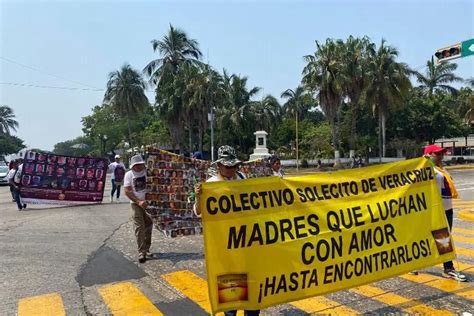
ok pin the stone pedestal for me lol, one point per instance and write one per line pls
(261, 150)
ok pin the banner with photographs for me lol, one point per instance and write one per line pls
(170, 191)
(257, 168)
(48, 178)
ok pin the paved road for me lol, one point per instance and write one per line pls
(81, 259)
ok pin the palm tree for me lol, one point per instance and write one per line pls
(7, 120)
(438, 77)
(323, 75)
(354, 55)
(389, 83)
(175, 49)
(266, 112)
(296, 105)
(470, 82)
(126, 94)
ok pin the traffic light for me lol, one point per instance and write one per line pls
(448, 53)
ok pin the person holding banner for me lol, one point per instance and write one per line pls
(275, 163)
(118, 172)
(227, 165)
(14, 179)
(135, 189)
(448, 193)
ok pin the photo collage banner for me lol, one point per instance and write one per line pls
(170, 191)
(257, 168)
(48, 178)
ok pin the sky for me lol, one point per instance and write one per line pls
(76, 44)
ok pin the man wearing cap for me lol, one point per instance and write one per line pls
(135, 189)
(118, 172)
(227, 165)
(448, 193)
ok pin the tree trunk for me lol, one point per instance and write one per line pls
(337, 161)
(190, 133)
(384, 141)
(129, 133)
(297, 150)
(353, 137)
(380, 136)
(200, 135)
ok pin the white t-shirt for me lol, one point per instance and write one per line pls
(136, 180)
(114, 165)
(11, 174)
(18, 174)
(446, 194)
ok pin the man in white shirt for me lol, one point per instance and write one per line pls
(118, 173)
(135, 189)
(227, 165)
(14, 179)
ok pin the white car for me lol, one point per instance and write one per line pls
(3, 174)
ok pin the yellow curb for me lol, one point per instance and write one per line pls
(470, 166)
(466, 214)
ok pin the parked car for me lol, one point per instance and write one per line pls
(3, 174)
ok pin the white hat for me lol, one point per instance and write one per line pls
(117, 156)
(136, 160)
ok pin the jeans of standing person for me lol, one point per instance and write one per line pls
(246, 313)
(11, 191)
(115, 187)
(16, 194)
(449, 215)
(143, 227)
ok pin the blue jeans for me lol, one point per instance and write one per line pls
(246, 313)
(16, 194)
(115, 187)
(449, 215)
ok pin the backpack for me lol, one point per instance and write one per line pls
(119, 173)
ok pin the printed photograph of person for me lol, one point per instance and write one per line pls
(25, 180)
(156, 172)
(52, 159)
(39, 169)
(36, 181)
(73, 185)
(80, 173)
(92, 185)
(100, 186)
(185, 174)
(53, 183)
(167, 173)
(61, 160)
(31, 155)
(65, 183)
(83, 185)
(174, 181)
(29, 168)
(100, 164)
(99, 173)
(149, 173)
(41, 157)
(49, 170)
(60, 171)
(150, 164)
(90, 173)
(81, 162)
(71, 162)
(71, 173)
(174, 174)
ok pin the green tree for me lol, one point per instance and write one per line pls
(389, 84)
(79, 146)
(7, 120)
(438, 77)
(323, 75)
(10, 144)
(126, 94)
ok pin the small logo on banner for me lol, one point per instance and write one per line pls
(232, 288)
(443, 240)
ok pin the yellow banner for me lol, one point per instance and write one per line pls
(274, 240)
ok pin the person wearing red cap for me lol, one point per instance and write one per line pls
(448, 193)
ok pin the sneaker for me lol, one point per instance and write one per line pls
(24, 205)
(413, 272)
(149, 255)
(453, 274)
(142, 257)
(117, 199)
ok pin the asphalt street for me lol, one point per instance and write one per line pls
(86, 255)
